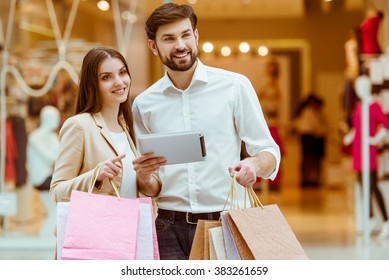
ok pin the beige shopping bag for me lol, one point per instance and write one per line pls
(217, 249)
(197, 250)
(208, 225)
(262, 232)
(240, 243)
(200, 245)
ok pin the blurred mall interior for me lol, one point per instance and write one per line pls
(289, 49)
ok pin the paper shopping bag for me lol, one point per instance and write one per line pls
(101, 227)
(147, 244)
(62, 217)
(263, 233)
(197, 250)
(217, 250)
(200, 245)
(144, 248)
(229, 242)
(259, 232)
(241, 245)
(208, 225)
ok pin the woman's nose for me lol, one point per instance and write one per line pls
(118, 80)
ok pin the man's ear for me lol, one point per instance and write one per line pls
(152, 46)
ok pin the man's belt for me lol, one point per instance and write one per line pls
(190, 218)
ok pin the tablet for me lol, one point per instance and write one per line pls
(176, 147)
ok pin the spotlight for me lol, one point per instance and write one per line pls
(103, 5)
(244, 47)
(207, 47)
(225, 51)
(263, 51)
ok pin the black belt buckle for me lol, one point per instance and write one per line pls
(187, 219)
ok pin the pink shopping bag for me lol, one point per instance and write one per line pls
(147, 242)
(101, 227)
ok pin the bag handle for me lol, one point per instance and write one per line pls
(94, 179)
(233, 197)
(254, 200)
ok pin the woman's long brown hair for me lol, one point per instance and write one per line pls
(89, 99)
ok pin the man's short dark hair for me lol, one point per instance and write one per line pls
(169, 13)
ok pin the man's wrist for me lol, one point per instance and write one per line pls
(149, 186)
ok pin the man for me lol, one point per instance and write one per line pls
(223, 105)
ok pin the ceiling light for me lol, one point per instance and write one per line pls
(207, 47)
(103, 5)
(225, 51)
(244, 47)
(263, 51)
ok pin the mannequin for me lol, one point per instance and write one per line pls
(349, 98)
(42, 151)
(378, 124)
(351, 48)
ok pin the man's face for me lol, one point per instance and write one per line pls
(176, 44)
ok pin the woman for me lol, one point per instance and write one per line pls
(101, 137)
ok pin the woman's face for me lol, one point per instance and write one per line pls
(114, 82)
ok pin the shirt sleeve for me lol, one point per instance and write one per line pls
(66, 176)
(251, 124)
(139, 124)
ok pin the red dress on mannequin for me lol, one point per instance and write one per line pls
(369, 31)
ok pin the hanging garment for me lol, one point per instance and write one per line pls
(20, 132)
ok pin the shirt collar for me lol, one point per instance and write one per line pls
(200, 75)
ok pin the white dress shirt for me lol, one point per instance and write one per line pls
(224, 106)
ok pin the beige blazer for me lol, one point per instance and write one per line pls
(85, 142)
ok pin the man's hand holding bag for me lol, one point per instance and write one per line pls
(262, 232)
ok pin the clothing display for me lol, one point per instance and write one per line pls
(19, 128)
(10, 153)
(369, 35)
(351, 48)
(376, 118)
(42, 148)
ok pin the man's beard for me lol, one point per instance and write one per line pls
(182, 65)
